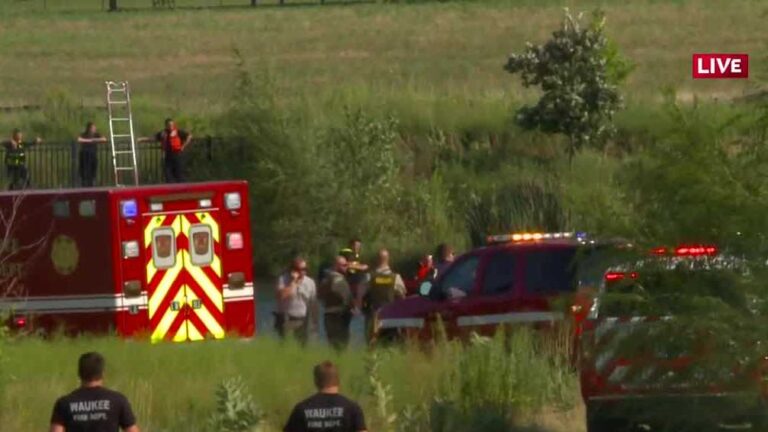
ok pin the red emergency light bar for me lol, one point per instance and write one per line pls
(686, 251)
(533, 237)
(617, 276)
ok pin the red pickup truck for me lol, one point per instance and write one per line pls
(666, 346)
(525, 278)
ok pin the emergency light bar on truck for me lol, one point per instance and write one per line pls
(534, 236)
(686, 251)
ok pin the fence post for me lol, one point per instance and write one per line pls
(73, 164)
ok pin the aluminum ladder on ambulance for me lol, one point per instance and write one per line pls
(121, 135)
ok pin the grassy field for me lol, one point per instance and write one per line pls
(172, 386)
(417, 59)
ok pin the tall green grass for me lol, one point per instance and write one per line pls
(173, 386)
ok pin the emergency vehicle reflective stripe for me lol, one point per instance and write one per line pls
(73, 303)
(514, 317)
(401, 323)
(211, 320)
(168, 318)
(205, 217)
(163, 287)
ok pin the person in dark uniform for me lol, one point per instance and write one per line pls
(16, 160)
(356, 271)
(384, 287)
(92, 407)
(337, 299)
(174, 142)
(327, 410)
(88, 159)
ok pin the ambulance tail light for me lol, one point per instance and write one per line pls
(234, 241)
(232, 201)
(132, 288)
(130, 249)
(236, 280)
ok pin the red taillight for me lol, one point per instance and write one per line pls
(234, 241)
(659, 251)
(20, 321)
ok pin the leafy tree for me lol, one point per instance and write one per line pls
(578, 71)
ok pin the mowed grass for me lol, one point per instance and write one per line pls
(172, 386)
(413, 57)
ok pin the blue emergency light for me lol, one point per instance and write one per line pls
(129, 209)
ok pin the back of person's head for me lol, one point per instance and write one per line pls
(90, 367)
(326, 375)
(16, 132)
(442, 252)
(88, 127)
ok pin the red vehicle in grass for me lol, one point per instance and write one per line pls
(166, 262)
(536, 279)
(665, 346)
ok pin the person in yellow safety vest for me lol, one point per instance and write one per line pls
(16, 160)
(356, 270)
(384, 287)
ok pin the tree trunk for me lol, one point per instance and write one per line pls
(253, 2)
(112, 5)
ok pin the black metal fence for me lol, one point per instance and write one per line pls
(56, 165)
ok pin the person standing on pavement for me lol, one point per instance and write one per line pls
(327, 410)
(88, 158)
(337, 299)
(92, 407)
(384, 287)
(296, 303)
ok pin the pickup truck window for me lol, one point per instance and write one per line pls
(550, 271)
(460, 277)
(499, 273)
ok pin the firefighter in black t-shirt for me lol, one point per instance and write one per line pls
(327, 410)
(92, 407)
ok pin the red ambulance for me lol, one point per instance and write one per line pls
(165, 262)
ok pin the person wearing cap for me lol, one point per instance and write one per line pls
(327, 410)
(92, 407)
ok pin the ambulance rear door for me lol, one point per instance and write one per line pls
(183, 272)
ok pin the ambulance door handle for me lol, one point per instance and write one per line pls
(196, 304)
(175, 306)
